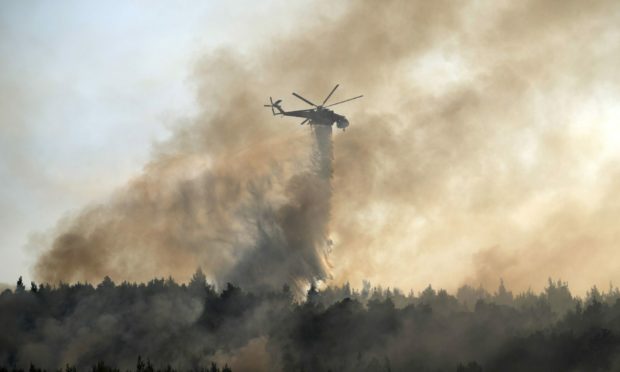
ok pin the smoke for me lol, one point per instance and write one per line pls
(256, 227)
(249, 205)
(292, 241)
(485, 146)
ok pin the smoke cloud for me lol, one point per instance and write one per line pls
(485, 146)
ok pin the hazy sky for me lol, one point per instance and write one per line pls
(486, 145)
(86, 88)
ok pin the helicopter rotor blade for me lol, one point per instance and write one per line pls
(304, 122)
(346, 100)
(303, 99)
(330, 94)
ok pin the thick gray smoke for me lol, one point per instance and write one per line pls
(292, 239)
(483, 149)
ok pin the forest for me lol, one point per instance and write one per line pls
(166, 326)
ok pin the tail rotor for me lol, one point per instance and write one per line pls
(273, 105)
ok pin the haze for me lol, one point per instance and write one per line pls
(486, 145)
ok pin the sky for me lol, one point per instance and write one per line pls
(87, 88)
(134, 141)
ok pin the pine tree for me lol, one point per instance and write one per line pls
(198, 283)
(20, 288)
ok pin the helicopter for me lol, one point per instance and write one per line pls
(319, 115)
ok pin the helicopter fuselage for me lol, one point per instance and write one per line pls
(319, 116)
